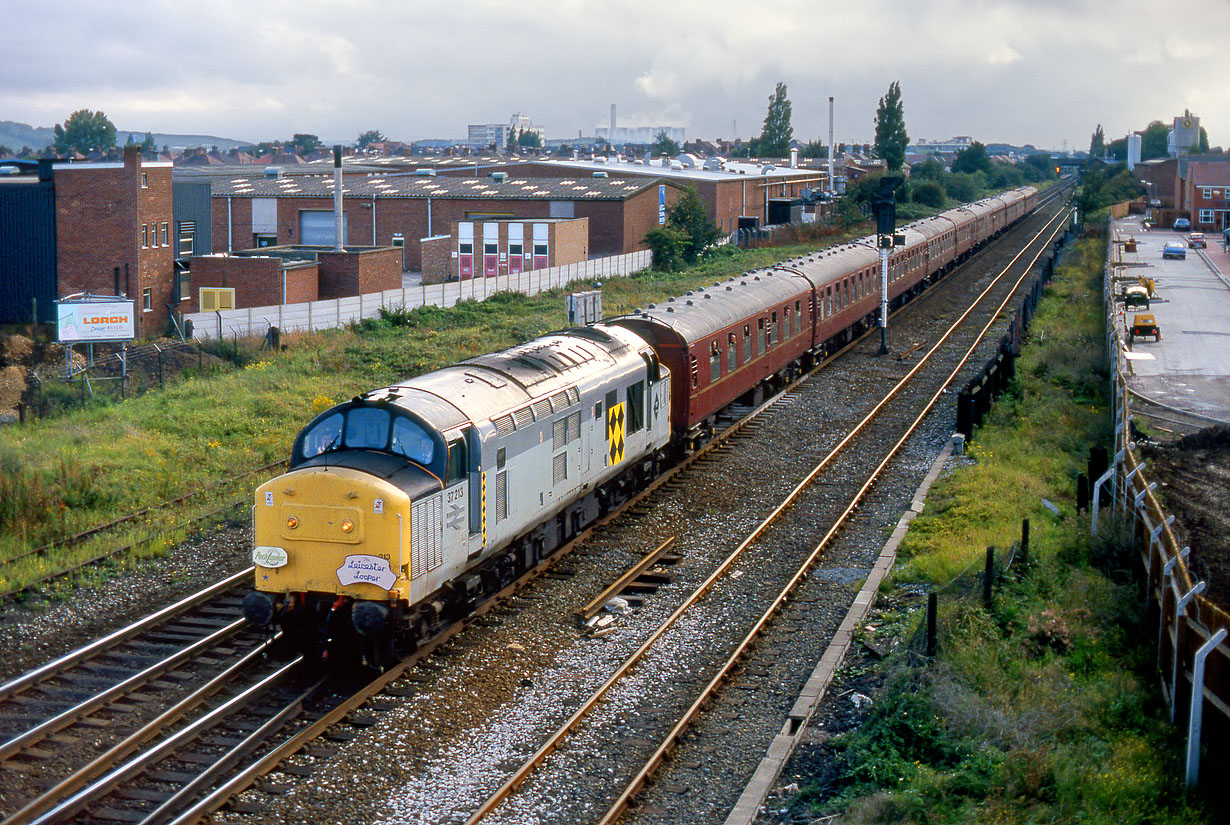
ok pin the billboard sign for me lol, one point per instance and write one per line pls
(98, 320)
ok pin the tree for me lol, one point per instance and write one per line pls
(891, 137)
(928, 193)
(371, 136)
(971, 159)
(84, 131)
(1097, 145)
(147, 145)
(304, 144)
(688, 232)
(1204, 141)
(1042, 165)
(930, 169)
(775, 137)
(815, 149)
(529, 139)
(663, 145)
(1155, 141)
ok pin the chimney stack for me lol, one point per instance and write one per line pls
(338, 223)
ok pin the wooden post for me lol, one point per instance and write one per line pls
(988, 577)
(931, 611)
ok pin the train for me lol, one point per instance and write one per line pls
(404, 507)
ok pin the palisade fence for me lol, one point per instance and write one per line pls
(1192, 654)
(338, 312)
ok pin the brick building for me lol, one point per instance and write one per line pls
(504, 248)
(256, 211)
(293, 274)
(103, 228)
(1207, 192)
(729, 189)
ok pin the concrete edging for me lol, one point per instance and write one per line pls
(785, 743)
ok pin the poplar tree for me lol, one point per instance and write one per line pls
(891, 137)
(1097, 144)
(775, 138)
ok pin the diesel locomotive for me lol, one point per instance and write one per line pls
(407, 505)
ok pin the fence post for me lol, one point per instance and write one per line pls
(931, 611)
(988, 577)
(1194, 720)
(1175, 661)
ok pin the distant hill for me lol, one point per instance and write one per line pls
(16, 135)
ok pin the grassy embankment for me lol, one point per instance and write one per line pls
(61, 475)
(1044, 708)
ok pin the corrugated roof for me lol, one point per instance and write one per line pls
(414, 186)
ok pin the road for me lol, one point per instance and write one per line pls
(1189, 369)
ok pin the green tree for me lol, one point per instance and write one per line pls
(815, 149)
(1155, 141)
(529, 139)
(891, 137)
(371, 136)
(84, 131)
(147, 145)
(1097, 144)
(775, 137)
(930, 169)
(1204, 141)
(1117, 149)
(304, 144)
(689, 230)
(971, 159)
(1041, 165)
(663, 145)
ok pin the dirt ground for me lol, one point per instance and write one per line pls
(1193, 478)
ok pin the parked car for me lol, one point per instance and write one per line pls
(1182, 225)
(1196, 240)
(1136, 296)
(1174, 249)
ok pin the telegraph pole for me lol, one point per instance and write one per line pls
(885, 209)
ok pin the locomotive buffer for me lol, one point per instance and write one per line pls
(884, 207)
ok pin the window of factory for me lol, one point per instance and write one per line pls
(187, 234)
(145, 180)
(731, 349)
(747, 343)
(465, 248)
(147, 299)
(636, 407)
(144, 236)
(715, 362)
(1206, 192)
(166, 234)
(1206, 216)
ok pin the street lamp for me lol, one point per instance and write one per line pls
(1151, 197)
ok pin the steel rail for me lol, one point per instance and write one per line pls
(590, 610)
(554, 741)
(620, 805)
(137, 680)
(61, 664)
(126, 772)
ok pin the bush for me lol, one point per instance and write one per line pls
(929, 193)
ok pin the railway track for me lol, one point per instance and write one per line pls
(865, 451)
(302, 699)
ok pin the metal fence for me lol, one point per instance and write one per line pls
(338, 312)
(1192, 654)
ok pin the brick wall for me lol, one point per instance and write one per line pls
(257, 281)
(100, 212)
(343, 274)
(438, 265)
(569, 242)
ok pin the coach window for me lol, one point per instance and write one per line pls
(747, 343)
(798, 318)
(759, 336)
(847, 301)
(715, 362)
(695, 372)
(731, 349)
(787, 325)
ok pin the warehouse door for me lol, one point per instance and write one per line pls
(317, 228)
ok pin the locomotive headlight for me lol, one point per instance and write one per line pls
(347, 526)
(292, 522)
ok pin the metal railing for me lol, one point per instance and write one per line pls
(1192, 656)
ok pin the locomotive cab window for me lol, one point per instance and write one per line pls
(367, 428)
(324, 436)
(455, 470)
(410, 440)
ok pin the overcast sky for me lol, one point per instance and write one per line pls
(1016, 71)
